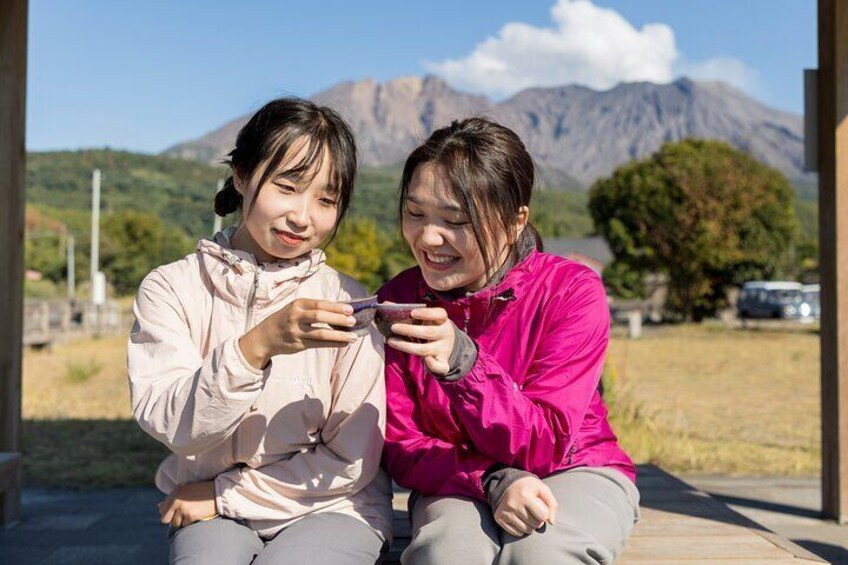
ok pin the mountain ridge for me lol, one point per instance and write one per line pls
(583, 132)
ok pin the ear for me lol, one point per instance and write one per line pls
(238, 182)
(521, 219)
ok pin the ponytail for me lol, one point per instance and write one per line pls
(228, 199)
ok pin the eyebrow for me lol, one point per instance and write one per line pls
(448, 207)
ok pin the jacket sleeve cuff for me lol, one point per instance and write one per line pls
(498, 479)
(220, 501)
(244, 362)
(462, 358)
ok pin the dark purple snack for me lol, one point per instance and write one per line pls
(388, 314)
(363, 311)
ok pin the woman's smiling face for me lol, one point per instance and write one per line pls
(292, 214)
(440, 235)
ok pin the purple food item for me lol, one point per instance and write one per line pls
(389, 313)
(363, 311)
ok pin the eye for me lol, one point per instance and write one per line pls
(285, 188)
(328, 202)
(458, 224)
(412, 214)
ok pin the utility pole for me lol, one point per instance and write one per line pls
(95, 228)
(98, 282)
(72, 284)
(216, 226)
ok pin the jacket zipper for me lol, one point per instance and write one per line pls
(250, 299)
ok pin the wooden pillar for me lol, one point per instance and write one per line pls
(13, 58)
(833, 242)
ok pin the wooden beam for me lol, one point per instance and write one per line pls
(833, 243)
(13, 58)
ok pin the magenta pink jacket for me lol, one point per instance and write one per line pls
(531, 401)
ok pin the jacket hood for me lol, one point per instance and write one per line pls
(236, 275)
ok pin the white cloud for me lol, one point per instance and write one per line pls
(726, 69)
(587, 45)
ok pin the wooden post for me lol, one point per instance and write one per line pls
(833, 242)
(13, 59)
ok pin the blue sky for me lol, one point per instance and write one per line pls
(145, 75)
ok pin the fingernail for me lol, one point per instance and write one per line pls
(351, 320)
(348, 309)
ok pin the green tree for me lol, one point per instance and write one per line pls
(133, 243)
(357, 251)
(701, 212)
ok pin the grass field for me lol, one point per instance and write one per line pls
(701, 399)
(709, 399)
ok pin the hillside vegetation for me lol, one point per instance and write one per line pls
(155, 207)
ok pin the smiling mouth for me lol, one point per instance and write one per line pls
(439, 261)
(288, 237)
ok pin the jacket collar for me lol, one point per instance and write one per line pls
(234, 272)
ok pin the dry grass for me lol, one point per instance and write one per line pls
(78, 430)
(689, 398)
(712, 400)
(84, 379)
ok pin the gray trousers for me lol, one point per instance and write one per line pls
(597, 510)
(320, 539)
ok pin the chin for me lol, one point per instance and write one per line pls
(442, 284)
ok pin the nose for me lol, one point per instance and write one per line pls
(431, 236)
(299, 214)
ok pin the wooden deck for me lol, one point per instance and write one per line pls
(679, 524)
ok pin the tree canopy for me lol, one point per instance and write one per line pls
(700, 212)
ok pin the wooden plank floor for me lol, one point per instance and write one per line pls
(679, 524)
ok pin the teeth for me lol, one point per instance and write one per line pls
(440, 259)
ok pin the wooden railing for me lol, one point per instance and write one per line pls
(47, 321)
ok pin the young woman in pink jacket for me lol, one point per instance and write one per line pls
(275, 420)
(495, 420)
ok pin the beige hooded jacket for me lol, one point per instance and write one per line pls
(302, 436)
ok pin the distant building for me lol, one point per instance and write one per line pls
(591, 251)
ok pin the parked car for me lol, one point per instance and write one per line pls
(810, 308)
(770, 299)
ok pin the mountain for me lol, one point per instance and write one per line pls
(581, 132)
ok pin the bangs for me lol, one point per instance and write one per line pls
(303, 170)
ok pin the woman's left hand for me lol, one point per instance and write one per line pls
(436, 335)
(189, 503)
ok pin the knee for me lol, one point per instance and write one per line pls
(564, 545)
(439, 544)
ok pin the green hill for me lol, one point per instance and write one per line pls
(181, 192)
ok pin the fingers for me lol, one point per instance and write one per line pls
(308, 304)
(330, 318)
(328, 337)
(437, 366)
(506, 525)
(428, 333)
(177, 520)
(316, 344)
(166, 510)
(516, 526)
(438, 315)
(537, 512)
(547, 496)
(420, 349)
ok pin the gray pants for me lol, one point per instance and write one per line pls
(320, 539)
(597, 510)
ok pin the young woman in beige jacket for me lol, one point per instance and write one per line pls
(274, 418)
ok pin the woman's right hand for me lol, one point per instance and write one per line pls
(291, 330)
(527, 504)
